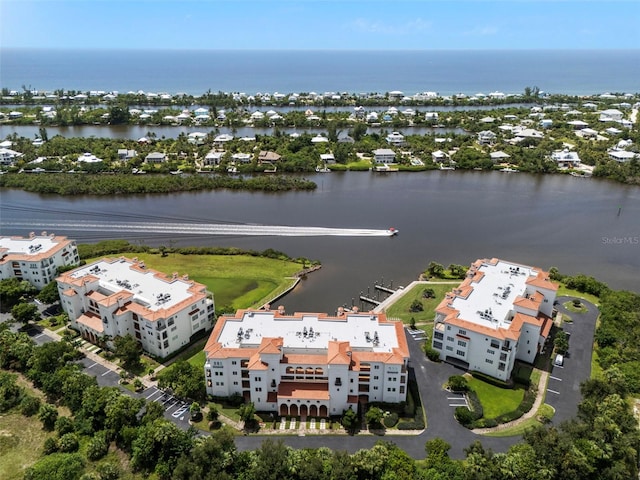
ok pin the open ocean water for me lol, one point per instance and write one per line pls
(574, 72)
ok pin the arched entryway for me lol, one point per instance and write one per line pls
(284, 410)
(313, 411)
(304, 411)
(293, 410)
(323, 411)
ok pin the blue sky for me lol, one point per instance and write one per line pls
(318, 24)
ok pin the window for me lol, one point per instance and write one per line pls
(489, 361)
(401, 389)
(495, 344)
(235, 383)
(449, 339)
(448, 327)
(450, 348)
(376, 367)
(460, 352)
(437, 345)
(166, 344)
(438, 335)
(462, 332)
(391, 389)
(234, 362)
(258, 379)
(503, 357)
(491, 352)
(258, 389)
(375, 377)
(375, 387)
(462, 343)
(234, 373)
(501, 366)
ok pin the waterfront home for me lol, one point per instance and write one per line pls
(156, 157)
(36, 259)
(486, 137)
(242, 157)
(499, 156)
(439, 156)
(395, 138)
(621, 156)
(431, 116)
(566, 158)
(213, 158)
(196, 138)
(500, 313)
(119, 296)
(308, 364)
(578, 124)
(8, 156)
(268, 156)
(327, 158)
(384, 155)
(221, 139)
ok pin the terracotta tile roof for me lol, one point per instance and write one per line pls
(542, 281)
(306, 391)
(255, 363)
(271, 345)
(92, 321)
(337, 353)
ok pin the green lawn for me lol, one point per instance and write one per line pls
(544, 410)
(400, 309)
(572, 308)
(495, 400)
(238, 281)
(564, 291)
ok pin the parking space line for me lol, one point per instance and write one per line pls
(38, 336)
(458, 405)
(553, 391)
(555, 378)
(558, 366)
(153, 394)
(92, 365)
(106, 373)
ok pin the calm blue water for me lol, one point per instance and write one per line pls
(575, 72)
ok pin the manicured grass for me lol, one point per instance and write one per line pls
(400, 309)
(238, 281)
(495, 400)
(572, 308)
(198, 359)
(544, 410)
(596, 369)
(564, 291)
(21, 442)
(360, 164)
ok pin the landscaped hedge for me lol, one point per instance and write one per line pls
(390, 420)
(476, 406)
(525, 405)
(418, 420)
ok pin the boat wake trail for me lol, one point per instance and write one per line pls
(203, 229)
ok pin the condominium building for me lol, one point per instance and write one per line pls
(36, 258)
(500, 313)
(307, 363)
(119, 296)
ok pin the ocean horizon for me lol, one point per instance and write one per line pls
(447, 72)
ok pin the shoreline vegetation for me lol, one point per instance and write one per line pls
(509, 133)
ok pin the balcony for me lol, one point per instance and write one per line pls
(363, 388)
(364, 378)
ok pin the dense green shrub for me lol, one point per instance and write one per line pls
(98, 446)
(464, 416)
(30, 405)
(390, 420)
(431, 354)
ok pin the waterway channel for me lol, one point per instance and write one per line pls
(585, 226)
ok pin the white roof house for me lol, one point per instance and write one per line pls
(88, 158)
(116, 297)
(36, 258)
(319, 139)
(8, 156)
(384, 155)
(500, 312)
(486, 137)
(307, 363)
(156, 157)
(213, 158)
(622, 155)
(566, 158)
(611, 115)
(395, 138)
(499, 156)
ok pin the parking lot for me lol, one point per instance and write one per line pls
(174, 408)
(418, 335)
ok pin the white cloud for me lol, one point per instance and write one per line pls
(482, 31)
(364, 25)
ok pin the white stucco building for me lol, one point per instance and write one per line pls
(119, 296)
(36, 258)
(307, 363)
(500, 313)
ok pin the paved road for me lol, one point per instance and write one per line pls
(563, 387)
(563, 394)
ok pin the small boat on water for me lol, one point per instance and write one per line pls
(392, 231)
